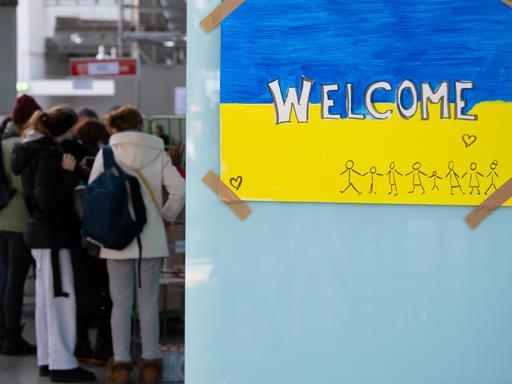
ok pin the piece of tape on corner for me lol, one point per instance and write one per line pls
(223, 10)
(489, 205)
(507, 2)
(239, 207)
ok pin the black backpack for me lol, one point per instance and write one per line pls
(107, 219)
(6, 191)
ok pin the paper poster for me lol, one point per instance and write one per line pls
(389, 102)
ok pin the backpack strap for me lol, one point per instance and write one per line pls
(3, 173)
(9, 135)
(109, 160)
(139, 209)
(148, 188)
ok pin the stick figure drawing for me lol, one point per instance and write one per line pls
(474, 181)
(435, 177)
(454, 178)
(373, 172)
(416, 177)
(492, 175)
(392, 178)
(349, 169)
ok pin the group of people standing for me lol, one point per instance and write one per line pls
(46, 156)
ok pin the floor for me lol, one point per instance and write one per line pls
(24, 370)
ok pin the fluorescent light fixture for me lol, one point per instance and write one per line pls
(169, 44)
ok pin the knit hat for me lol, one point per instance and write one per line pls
(24, 109)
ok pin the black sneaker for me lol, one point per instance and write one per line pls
(44, 371)
(83, 350)
(103, 351)
(77, 375)
(15, 345)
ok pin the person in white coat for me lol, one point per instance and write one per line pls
(141, 155)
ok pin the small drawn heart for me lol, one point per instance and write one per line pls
(236, 182)
(468, 139)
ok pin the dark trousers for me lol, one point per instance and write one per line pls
(16, 260)
(100, 321)
(93, 303)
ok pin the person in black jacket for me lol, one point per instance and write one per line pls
(94, 306)
(49, 177)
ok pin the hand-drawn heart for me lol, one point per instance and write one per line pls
(236, 182)
(468, 139)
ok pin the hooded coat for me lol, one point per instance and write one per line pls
(53, 222)
(136, 151)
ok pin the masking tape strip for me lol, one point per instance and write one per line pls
(240, 208)
(223, 10)
(507, 2)
(489, 205)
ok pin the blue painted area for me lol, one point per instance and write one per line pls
(335, 293)
(338, 41)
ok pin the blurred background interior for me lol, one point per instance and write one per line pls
(39, 42)
(48, 34)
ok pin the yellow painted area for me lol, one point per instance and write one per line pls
(303, 162)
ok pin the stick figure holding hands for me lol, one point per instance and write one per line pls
(349, 168)
(416, 177)
(373, 173)
(474, 182)
(435, 177)
(492, 175)
(454, 178)
(392, 178)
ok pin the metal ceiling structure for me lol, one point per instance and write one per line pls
(155, 29)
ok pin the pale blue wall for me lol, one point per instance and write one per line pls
(324, 293)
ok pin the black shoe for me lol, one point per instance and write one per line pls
(77, 375)
(2, 338)
(103, 351)
(44, 371)
(83, 350)
(15, 345)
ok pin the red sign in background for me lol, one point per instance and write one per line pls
(103, 68)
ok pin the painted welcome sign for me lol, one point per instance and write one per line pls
(394, 102)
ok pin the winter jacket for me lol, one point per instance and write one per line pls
(14, 216)
(139, 151)
(53, 222)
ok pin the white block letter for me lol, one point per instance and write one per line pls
(407, 113)
(460, 103)
(427, 95)
(368, 101)
(350, 94)
(284, 107)
(328, 103)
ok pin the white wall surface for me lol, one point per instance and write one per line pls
(31, 26)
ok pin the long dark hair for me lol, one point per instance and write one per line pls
(92, 132)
